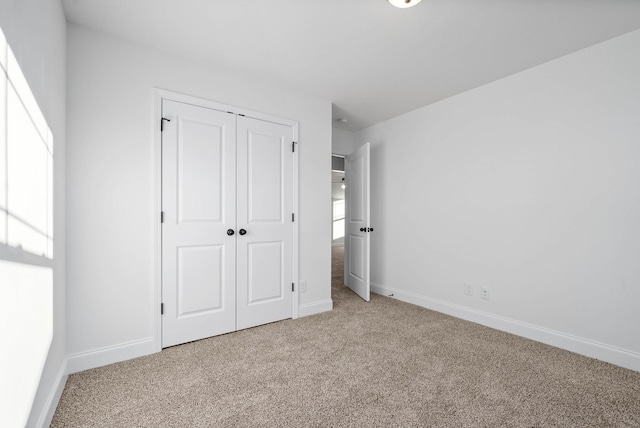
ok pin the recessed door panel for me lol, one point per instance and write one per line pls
(356, 253)
(265, 272)
(200, 279)
(266, 177)
(356, 180)
(200, 171)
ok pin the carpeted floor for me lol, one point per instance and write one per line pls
(382, 363)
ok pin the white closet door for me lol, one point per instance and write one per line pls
(264, 208)
(199, 206)
(358, 228)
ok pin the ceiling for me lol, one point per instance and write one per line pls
(370, 59)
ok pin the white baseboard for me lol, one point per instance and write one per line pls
(315, 308)
(46, 416)
(110, 354)
(589, 348)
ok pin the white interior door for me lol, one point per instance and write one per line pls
(357, 226)
(264, 212)
(199, 207)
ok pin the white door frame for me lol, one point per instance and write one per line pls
(163, 94)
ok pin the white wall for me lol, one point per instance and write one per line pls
(342, 141)
(111, 188)
(36, 31)
(528, 186)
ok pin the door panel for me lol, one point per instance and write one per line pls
(200, 163)
(265, 205)
(357, 179)
(358, 221)
(200, 279)
(265, 261)
(266, 177)
(356, 253)
(198, 201)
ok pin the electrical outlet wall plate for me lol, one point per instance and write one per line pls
(468, 288)
(484, 293)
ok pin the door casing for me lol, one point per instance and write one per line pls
(158, 96)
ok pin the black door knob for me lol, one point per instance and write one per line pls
(371, 229)
(230, 232)
(242, 232)
(362, 229)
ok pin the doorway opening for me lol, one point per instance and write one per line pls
(338, 205)
(337, 201)
(351, 226)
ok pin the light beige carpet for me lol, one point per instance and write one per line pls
(382, 363)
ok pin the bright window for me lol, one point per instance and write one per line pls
(338, 209)
(26, 241)
(338, 219)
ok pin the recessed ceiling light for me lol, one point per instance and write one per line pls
(343, 120)
(404, 3)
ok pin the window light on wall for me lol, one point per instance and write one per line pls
(26, 163)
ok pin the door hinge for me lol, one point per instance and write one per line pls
(293, 146)
(162, 123)
(293, 217)
(161, 216)
(161, 308)
(293, 287)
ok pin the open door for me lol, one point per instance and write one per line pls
(357, 228)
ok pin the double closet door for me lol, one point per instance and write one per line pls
(227, 231)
